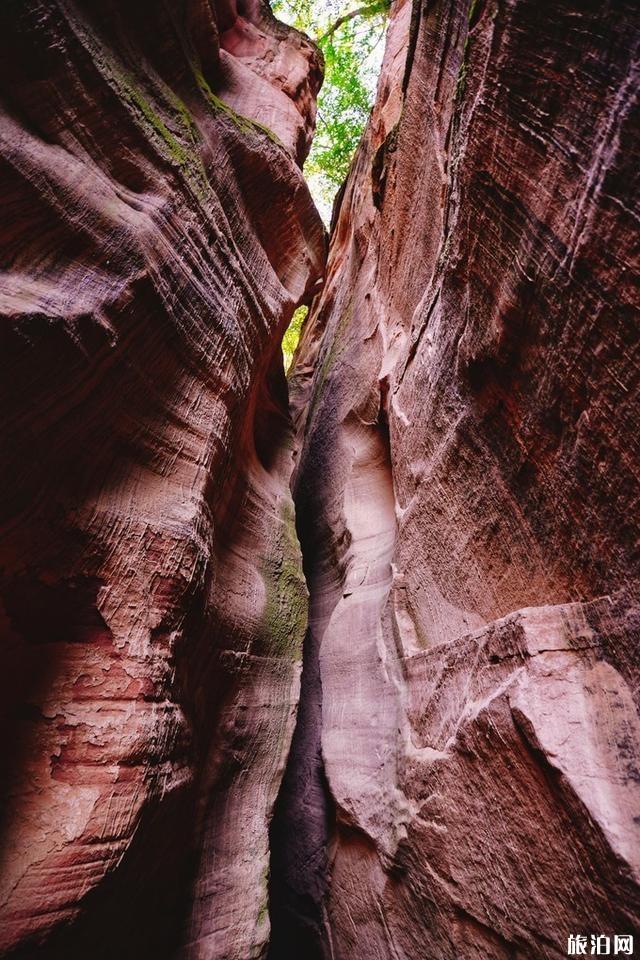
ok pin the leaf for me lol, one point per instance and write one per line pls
(348, 36)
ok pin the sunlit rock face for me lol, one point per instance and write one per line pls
(464, 779)
(156, 238)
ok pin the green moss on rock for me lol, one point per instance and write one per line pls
(245, 124)
(285, 612)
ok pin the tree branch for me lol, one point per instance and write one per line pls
(368, 10)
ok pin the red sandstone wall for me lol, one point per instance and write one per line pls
(467, 396)
(157, 236)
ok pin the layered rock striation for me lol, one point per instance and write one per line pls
(157, 236)
(464, 780)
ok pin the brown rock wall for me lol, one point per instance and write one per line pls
(155, 243)
(467, 399)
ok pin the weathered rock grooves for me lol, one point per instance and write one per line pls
(463, 779)
(466, 397)
(158, 236)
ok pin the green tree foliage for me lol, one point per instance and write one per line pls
(350, 37)
(292, 335)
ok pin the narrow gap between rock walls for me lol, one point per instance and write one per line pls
(350, 36)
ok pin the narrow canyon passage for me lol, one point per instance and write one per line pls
(462, 782)
(340, 665)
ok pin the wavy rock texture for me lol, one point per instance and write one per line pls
(157, 236)
(464, 778)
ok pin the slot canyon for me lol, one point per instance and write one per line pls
(341, 664)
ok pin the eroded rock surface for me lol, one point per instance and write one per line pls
(465, 785)
(156, 237)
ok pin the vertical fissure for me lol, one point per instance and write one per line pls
(303, 816)
(303, 819)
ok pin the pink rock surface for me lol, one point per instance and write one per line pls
(463, 777)
(467, 400)
(259, 53)
(155, 244)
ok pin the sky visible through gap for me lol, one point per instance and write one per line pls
(350, 34)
